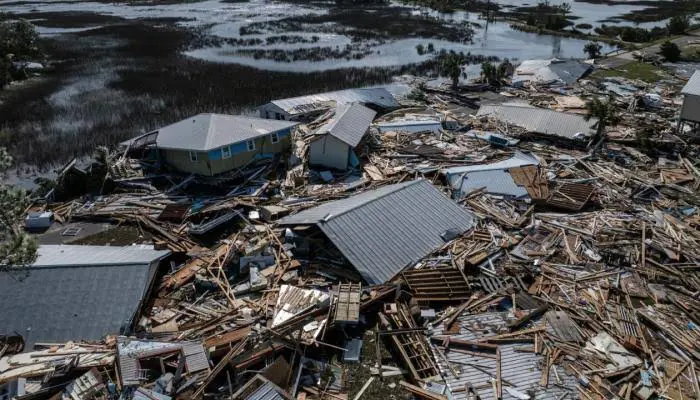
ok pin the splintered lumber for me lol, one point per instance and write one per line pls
(364, 387)
(526, 318)
(422, 393)
(219, 367)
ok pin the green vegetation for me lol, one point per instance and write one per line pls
(634, 70)
(451, 67)
(16, 247)
(493, 74)
(593, 49)
(670, 51)
(18, 42)
(607, 115)
(632, 34)
(678, 25)
(548, 16)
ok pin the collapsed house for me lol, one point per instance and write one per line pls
(305, 108)
(382, 231)
(496, 178)
(333, 142)
(550, 72)
(77, 292)
(541, 121)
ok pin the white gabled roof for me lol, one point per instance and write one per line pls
(693, 86)
(204, 132)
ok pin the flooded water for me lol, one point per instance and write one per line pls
(224, 20)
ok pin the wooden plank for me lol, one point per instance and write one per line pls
(420, 392)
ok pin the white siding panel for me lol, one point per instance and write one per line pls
(329, 152)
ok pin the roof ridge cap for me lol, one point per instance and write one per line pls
(408, 184)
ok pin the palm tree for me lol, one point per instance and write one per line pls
(607, 115)
(451, 67)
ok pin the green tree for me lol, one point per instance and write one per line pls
(678, 25)
(593, 49)
(18, 41)
(607, 115)
(670, 51)
(18, 38)
(451, 67)
(16, 247)
(492, 74)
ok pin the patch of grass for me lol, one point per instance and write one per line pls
(634, 70)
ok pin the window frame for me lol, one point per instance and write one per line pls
(248, 143)
(274, 137)
(224, 151)
(194, 157)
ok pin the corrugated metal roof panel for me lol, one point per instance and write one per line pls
(521, 369)
(540, 120)
(350, 123)
(204, 132)
(302, 104)
(382, 231)
(693, 86)
(265, 392)
(74, 255)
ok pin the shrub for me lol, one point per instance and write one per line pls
(670, 51)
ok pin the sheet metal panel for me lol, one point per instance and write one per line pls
(540, 120)
(382, 231)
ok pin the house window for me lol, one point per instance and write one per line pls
(251, 145)
(226, 152)
(274, 138)
(193, 156)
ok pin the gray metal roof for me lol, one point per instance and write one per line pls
(349, 124)
(494, 177)
(71, 255)
(204, 132)
(304, 104)
(383, 230)
(521, 369)
(540, 120)
(268, 391)
(693, 85)
(57, 302)
(130, 351)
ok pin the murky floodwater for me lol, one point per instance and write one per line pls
(224, 20)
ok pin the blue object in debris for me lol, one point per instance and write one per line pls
(692, 326)
(646, 378)
(354, 161)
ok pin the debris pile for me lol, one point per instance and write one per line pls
(488, 256)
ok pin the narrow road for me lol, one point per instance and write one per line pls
(619, 59)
